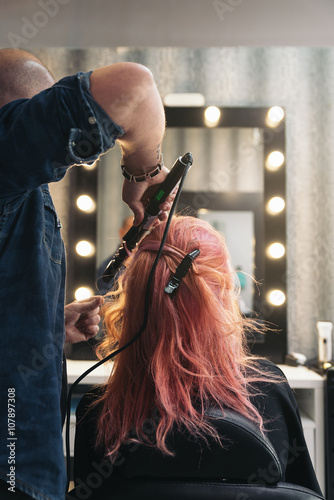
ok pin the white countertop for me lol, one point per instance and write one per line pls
(298, 376)
(75, 368)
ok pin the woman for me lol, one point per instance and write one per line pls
(192, 356)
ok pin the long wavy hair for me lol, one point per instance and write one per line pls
(193, 352)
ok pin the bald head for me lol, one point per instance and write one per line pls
(22, 75)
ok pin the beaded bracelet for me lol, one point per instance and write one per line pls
(143, 177)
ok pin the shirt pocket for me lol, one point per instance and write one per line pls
(8, 209)
(52, 236)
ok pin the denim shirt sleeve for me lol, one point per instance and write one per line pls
(59, 127)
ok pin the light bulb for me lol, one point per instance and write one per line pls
(211, 116)
(276, 250)
(83, 292)
(276, 297)
(86, 203)
(275, 116)
(275, 160)
(276, 205)
(85, 248)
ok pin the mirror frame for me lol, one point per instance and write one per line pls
(269, 273)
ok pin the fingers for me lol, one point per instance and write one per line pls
(137, 194)
(166, 206)
(89, 307)
(92, 302)
(88, 320)
(89, 324)
(132, 194)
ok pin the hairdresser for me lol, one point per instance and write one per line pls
(148, 420)
(45, 128)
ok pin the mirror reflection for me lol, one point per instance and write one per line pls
(237, 227)
(226, 160)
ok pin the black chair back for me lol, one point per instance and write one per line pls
(245, 455)
(201, 490)
(245, 467)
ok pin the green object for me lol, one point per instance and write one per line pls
(242, 279)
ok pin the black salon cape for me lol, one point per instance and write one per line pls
(276, 404)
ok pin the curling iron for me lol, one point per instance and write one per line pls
(136, 233)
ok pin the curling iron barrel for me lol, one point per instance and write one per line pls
(136, 233)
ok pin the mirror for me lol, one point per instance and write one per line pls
(230, 184)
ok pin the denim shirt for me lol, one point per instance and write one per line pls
(39, 139)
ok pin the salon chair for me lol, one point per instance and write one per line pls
(248, 468)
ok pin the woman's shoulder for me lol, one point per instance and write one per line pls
(269, 367)
(90, 403)
(269, 379)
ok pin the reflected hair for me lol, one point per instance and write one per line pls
(193, 353)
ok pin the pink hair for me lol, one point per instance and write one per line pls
(192, 353)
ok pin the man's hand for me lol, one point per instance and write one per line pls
(137, 194)
(82, 319)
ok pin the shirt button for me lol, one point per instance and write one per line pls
(92, 120)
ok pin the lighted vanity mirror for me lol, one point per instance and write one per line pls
(232, 184)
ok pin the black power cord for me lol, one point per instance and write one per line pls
(136, 336)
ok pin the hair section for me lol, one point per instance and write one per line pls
(193, 352)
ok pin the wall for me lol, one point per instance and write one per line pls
(159, 23)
